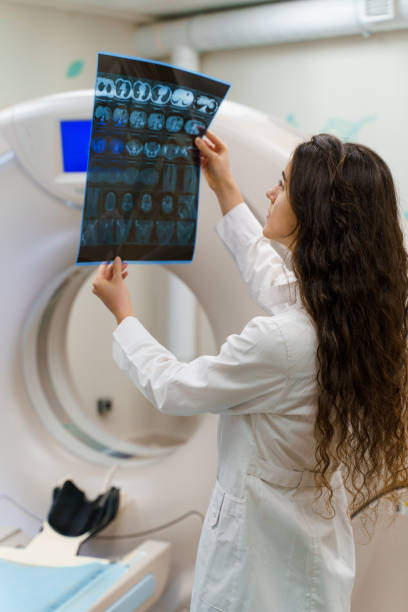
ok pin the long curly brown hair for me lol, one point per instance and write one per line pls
(352, 267)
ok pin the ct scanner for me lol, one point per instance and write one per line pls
(148, 551)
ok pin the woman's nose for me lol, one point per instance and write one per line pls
(271, 194)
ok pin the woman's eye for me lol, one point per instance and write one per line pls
(281, 184)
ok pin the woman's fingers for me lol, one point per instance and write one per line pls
(203, 161)
(117, 268)
(104, 272)
(209, 144)
(204, 148)
(217, 141)
(109, 272)
(100, 272)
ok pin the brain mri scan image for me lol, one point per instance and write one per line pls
(116, 146)
(195, 127)
(169, 150)
(99, 144)
(146, 203)
(186, 207)
(190, 179)
(174, 123)
(127, 202)
(142, 184)
(149, 176)
(152, 149)
(169, 177)
(184, 231)
(123, 89)
(161, 94)
(110, 201)
(89, 235)
(120, 117)
(122, 230)
(143, 230)
(130, 175)
(141, 91)
(134, 147)
(164, 231)
(182, 98)
(111, 176)
(155, 121)
(167, 204)
(206, 105)
(138, 119)
(106, 230)
(103, 114)
(92, 199)
(105, 88)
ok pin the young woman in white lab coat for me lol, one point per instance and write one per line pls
(312, 397)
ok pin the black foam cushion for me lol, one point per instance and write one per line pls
(72, 514)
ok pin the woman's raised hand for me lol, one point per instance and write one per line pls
(109, 287)
(214, 160)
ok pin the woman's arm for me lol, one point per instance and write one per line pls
(249, 375)
(268, 280)
(261, 267)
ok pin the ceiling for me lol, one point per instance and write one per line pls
(140, 11)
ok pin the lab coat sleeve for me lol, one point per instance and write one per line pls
(261, 267)
(248, 375)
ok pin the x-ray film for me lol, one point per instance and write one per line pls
(142, 187)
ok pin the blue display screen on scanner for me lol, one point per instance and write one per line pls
(75, 137)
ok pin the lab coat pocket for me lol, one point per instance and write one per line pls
(222, 555)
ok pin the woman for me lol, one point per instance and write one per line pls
(310, 395)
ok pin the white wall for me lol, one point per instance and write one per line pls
(42, 50)
(353, 87)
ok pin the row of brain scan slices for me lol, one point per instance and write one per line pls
(119, 231)
(169, 175)
(183, 206)
(160, 94)
(134, 147)
(140, 120)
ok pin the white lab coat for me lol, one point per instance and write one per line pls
(263, 548)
